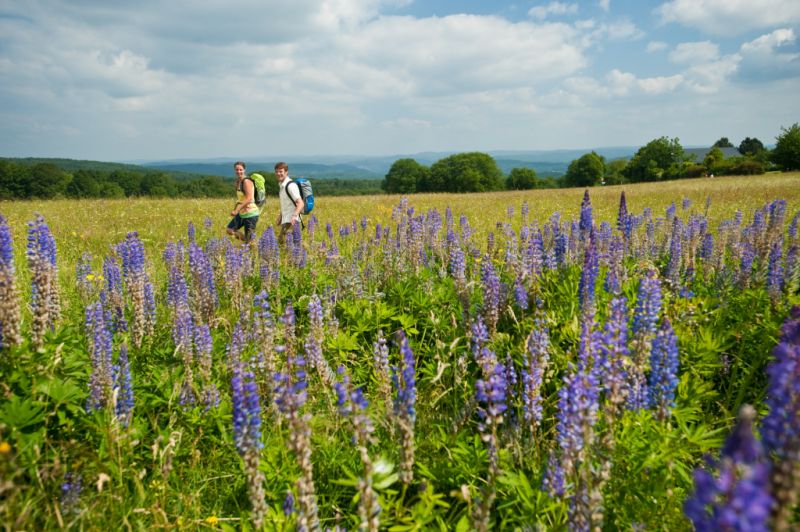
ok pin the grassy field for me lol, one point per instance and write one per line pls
(476, 335)
(90, 225)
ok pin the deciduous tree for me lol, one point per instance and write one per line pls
(586, 171)
(786, 154)
(403, 177)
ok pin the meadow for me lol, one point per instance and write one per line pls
(625, 357)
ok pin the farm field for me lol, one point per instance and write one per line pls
(547, 359)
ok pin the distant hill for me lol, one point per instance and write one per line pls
(298, 169)
(546, 163)
(73, 165)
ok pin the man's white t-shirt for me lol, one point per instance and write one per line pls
(288, 197)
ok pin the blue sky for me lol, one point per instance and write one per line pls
(113, 81)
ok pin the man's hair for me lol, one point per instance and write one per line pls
(237, 163)
(280, 165)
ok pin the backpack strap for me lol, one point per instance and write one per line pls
(299, 194)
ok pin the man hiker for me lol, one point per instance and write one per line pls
(290, 200)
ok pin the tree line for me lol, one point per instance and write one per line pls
(66, 178)
(660, 159)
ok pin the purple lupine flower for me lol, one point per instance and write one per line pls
(352, 405)
(748, 256)
(288, 503)
(246, 411)
(520, 295)
(405, 383)
(177, 290)
(553, 481)
(9, 297)
(673, 273)
(492, 293)
(586, 224)
(45, 302)
(707, 248)
(780, 429)
(131, 252)
(204, 289)
(490, 393)
(775, 271)
(735, 494)
(182, 335)
(614, 277)
(536, 254)
(561, 240)
(577, 414)
(100, 353)
(290, 396)
(524, 212)
(591, 267)
(645, 319)
(70, 493)
(191, 232)
(614, 355)
(536, 360)
(247, 437)
(313, 344)
(203, 344)
(380, 357)
(84, 276)
(622, 215)
(112, 296)
(124, 388)
(670, 212)
(791, 279)
(663, 370)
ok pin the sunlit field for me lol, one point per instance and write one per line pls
(545, 359)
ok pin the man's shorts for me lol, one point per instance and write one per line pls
(249, 224)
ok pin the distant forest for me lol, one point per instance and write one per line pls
(31, 178)
(660, 159)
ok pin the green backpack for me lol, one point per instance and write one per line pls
(260, 195)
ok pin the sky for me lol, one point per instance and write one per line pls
(193, 79)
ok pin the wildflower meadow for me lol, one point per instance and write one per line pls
(610, 359)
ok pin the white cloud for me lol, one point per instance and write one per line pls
(730, 17)
(770, 56)
(769, 42)
(694, 52)
(553, 8)
(605, 5)
(656, 46)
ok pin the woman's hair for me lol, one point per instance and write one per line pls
(237, 163)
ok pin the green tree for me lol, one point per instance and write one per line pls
(464, 172)
(46, 181)
(586, 171)
(723, 143)
(130, 182)
(659, 159)
(614, 172)
(109, 189)
(522, 179)
(786, 154)
(713, 160)
(85, 184)
(13, 177)
(403, 177)
(751, 146)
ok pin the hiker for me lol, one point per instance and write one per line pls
(290, 201)
(245, 212)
